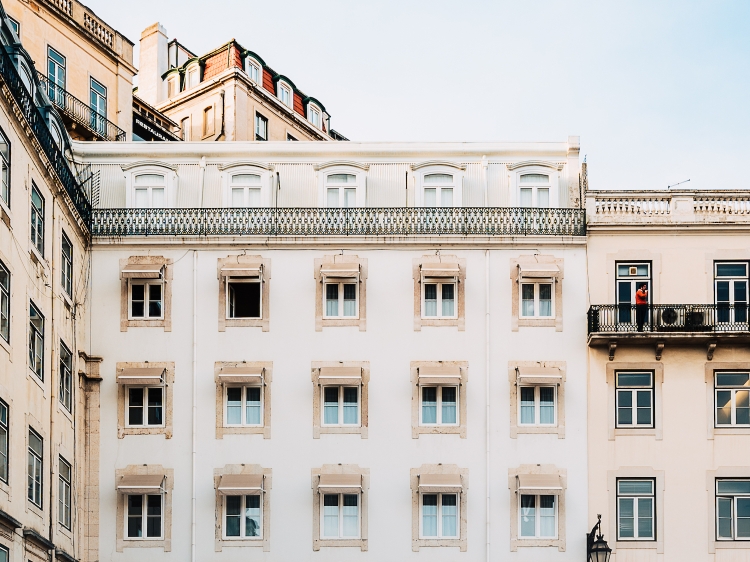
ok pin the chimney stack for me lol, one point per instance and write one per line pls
(152, 64)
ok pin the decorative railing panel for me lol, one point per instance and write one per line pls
(40, 128)
(360, 221)
(669, 318)
(81, 113)
(635, 204)
(722, 204)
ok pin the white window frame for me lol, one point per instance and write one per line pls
(243, 405)
(144, 517)
(146, 294)
(731, 313)
(5, 288)
(554, 182)
(173, 85)
(253, 64)
(440, 281)
(265, 173)
(66, 271)
(243, 507)
(537, 405)
(439, 535)
(64, 495)
(439, 405)
(146, 392)
(538, 518)
(185, 126)
(35, 462)
(537, 300)
(193, 70)
(340, 283)
(313, 109)
(733, 497)
(281, 85)
(340, 410)
(360, 185)
(235, 280)
(170, 181)
(635, 498)
(66, 377)
(456, 185)
(340, 535)
(732, 400)
(634, 397)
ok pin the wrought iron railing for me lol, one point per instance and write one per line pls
(40, 128)
(666, 318)
(81, 113)
(359, 221)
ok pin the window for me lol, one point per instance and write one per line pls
(185, 128)
(340, 291)
(172, 86)
(35, 468)
(36, 341)
(4, 302)
(66, 377)
(246, 190)
(145, 406)
(243, 292)
(285, 94)
(15, 25)
(438, 190)
(4, 169)
(635, 399)
(439, 516)
(4, 553)
(146, 300)
(37, 219)
(208, 121)
(64, 514)
(252, 69)
(731, 292)
(538, 516)
(290, 137)
(341, 405)
(733, 510)
(630, 277)
(56, 76)
(536, 300)
(439, 405)
(242, 516)
(341, 190)
(341, 300)
(98, 97)
(144, 517)
(145, 292)
(439, 299)
(537, 406)
(243, 297)
(150, 191)
(243, 406)
(534, 190)
(340, 515)
(261, 128)
(314, 115)
(67, 265)
(635, 510)
(3, 441)
(192, 77)
(732, 392)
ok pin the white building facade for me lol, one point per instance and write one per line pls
(345, 351)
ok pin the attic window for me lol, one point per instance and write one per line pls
(252, 68)
(285, 94)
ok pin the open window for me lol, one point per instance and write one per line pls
(243, 292)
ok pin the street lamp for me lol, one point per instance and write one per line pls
(597, 549)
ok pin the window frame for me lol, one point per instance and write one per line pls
(192, 69)
(340, 517)
(421, 171)
(243, 405)
(149, 168)
(98, 118)
(537, 518)
(36, 342)
(35, 480)
(66, 378)
(144, 517)
(439, 282)
(228, 280)
(5, 292)
(459, 428)
(340, 406)
(635, 497)
(439, 515)
(341, 299)
(737, 311)
(537, 406)
(634, 405)
(185, 129)
(553, 171)
(439, 405)
(537, 284)
(245, 187)
(5, 452)
(64, 515)
(37, 220)
(241, 536)
(145, 406)
(282, 86)
(535, 187)
(146, 283)
(222, 428)
(312, 110)
(252, 62)
(5, 169)
(66, 277)
(261, 127)
(732, 389)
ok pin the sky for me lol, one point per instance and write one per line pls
(659, 91)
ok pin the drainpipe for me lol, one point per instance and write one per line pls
(53, 387)
(221, 132)
(195, 408)
(485, 180)
(202, 177)
(487, 385)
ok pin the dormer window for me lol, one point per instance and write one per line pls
(438, 190)
(534, 190)
(246, 184)
(150, 191)
(246, 190)
(253, 70)
(313, 115)
(172, 87)
(285, 94)
(193, 76)
(341, 190)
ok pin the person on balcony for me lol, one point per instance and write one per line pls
(641, 306)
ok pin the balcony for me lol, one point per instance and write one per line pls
(356, 221)
(681, 324)
(79, 117)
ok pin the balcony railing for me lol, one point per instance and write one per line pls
(359, 221)
(40, 128)
(669, 318)
(80, 113)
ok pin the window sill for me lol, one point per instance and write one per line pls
(644, 545)
(324, 543)
(439, 322)
(33, 376)
(241, 542)
(418, 430)
(5, 214)
(341, 322)
(635, 432)
(244, 323)
(730, 544)
(64, 411)
(8, 349)
(537, 322)
(432, 543)
(265, 431)
(163, 323)
(515, 544)
(123, 431)
(35, 509)
(536, 430)
(731, 431)
(340, 430)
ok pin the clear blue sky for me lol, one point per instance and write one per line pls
(658, 91)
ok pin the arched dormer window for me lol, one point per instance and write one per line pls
(439, 184)
(247, 184)
(342, 184)
(535, 183)
(254, 69)
(192, 75)
(56, 133)
(26, 76)
(150, 185)
(314, 115)
(173, 85)
(285, 93)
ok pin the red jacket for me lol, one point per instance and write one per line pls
(641, 297)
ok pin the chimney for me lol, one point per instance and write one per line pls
(152, 64)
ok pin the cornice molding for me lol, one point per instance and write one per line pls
(429, 163)
(148, 163)
(245, 163)
(528, 163)
(342, 163)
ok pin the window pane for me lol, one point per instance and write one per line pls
(448, 410)
(534, 178)
(731, 270)
(157, 197)
(743, 518)
(332, 299)
(430, 299)
(252, 406)
(633, 487)
(342, 178)
(135, 406)
(350, 197)
(645, 518)
(527, 299)
(527, 405)
(528, 516)
(448, 298)
(525, 200)
(643, 398)
(233, 507)
(742, 407)
(438, 179)
(238, 197)
(155, 406)
(429, 404)
(732, 379)
(449, 513)
(545, 299)
(350, 299)
(137, 293)
(252, 516)
(333, 197)
(547, 405)
(430, 197)
(633, 379)
(135, 516)
(244, 300)
(542, 196)
(723, 407)
(547, 526)
(724, 516)
(429, 515)
(351, 406)
(331, 405)
(154, 301)
(246, 179)
(446, 197)
(626, 527)
(253, 197)
(331, 515)
(624, 407)
(234, 406)
(733, 487)
(351, 515)
(153, 516)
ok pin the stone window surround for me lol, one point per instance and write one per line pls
(166, 542)
(557, 320)
(320, 321)
(721, 255)
(711, 369)
(166, 429)
(416, 428)
(166, 321)
(739, 472)
(633, 256)
(515, 427)
(264, 321)
(361, 542)
(658, 370)
(318, 427)
(515, 541)
(265, 542)
(461, 542)
(265, 429)
(460, 320)
(636, 472)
